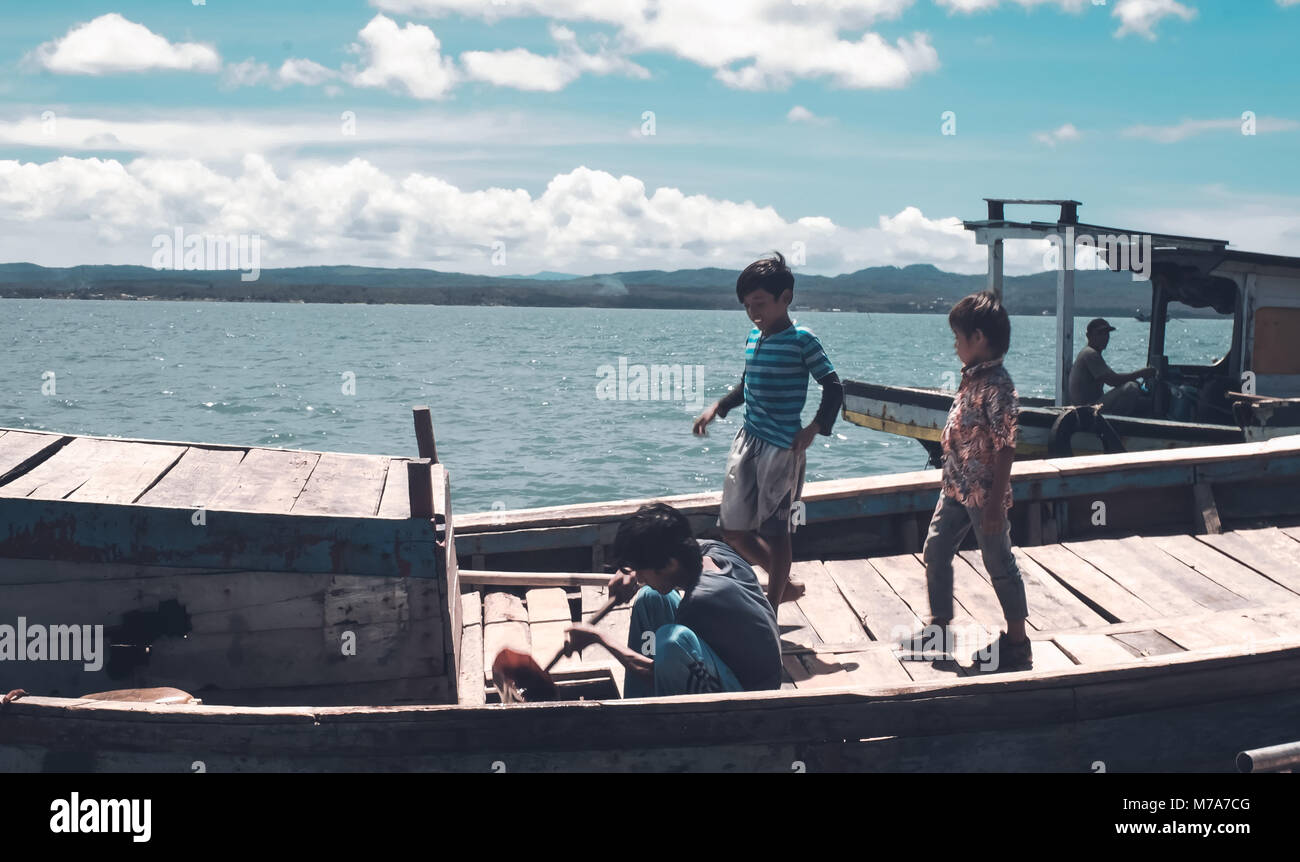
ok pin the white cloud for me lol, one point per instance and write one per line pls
(246, 73)
(92, 210)
(750, 44)
(1135, 16)
(524, 70)
(800, 114)
(1180, 131)
(409, 57)
(1067, 132)
(296, 70)
(1142, 16)
(388, 135)
(111, 44)
(969, 6)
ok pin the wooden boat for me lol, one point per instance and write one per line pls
(1164, 591)
(1193, 405)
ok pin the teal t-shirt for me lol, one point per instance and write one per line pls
(777, 367)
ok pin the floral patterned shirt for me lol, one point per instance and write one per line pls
(982, 421)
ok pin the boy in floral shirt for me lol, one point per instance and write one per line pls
(979, 446)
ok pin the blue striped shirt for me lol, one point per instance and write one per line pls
(776, 381)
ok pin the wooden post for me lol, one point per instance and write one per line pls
(419, 487)
(995, 268)
(1207, 511)
(1065, 318)
(424, 433)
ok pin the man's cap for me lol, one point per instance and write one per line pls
(1099, 323)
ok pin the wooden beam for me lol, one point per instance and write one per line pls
(424, 433)
(419, 486)
(480, 578)
(995, 267)
(1064, 321)
(1207, 513)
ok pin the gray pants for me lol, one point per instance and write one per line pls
(947, 528)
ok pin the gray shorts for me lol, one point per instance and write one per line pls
(763, 482)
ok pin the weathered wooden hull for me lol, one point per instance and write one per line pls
(921, 413)
(1192, 713)
(240, 575)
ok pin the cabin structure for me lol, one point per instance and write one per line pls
(1248, 392)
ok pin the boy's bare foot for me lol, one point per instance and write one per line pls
(793, 590)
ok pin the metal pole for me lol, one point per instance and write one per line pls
(1065, 318)
(995, 268)
(1275, 758)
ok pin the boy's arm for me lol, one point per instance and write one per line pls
(732, 399)
(832, 400)
(581, 635)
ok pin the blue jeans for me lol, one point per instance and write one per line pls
(683, 664)
(948, 527)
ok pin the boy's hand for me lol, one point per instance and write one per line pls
(581, 636)
(805, 438)
(623, 586)
(702, 421)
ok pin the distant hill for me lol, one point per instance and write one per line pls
(916, 288)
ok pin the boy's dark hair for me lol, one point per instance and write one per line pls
(652, 536)
(983, 311)
(769, 273)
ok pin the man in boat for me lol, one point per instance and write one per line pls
(979, 447)
(765, 468)
(720, 634)
(1090, 372)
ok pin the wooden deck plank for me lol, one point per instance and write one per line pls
(195, 479)
(343, 484)
(547, 605)
(795, 670)
(945, 670)
(131, 470)
(266, 480)
(1262, 550)
(1148, 642)
(1089, 649)
(395, 499)
(827, 611)
(1139, 576)
(547, 639)
(1052, 606)
(1224, 570)
(500, 606)
(884, 615)
(906, 575)
(794, 627)
(548, 624)
(1205, 591)
(470, 690)
(1049, 656)
(1091, 584)
(64, 471)
(19, 447)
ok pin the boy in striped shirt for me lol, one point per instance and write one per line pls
(765, 468)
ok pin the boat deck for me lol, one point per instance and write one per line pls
(1096, 603)
(44, 466)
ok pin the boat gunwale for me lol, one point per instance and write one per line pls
(1218, 658)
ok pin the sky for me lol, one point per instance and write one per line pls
(586, 136)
